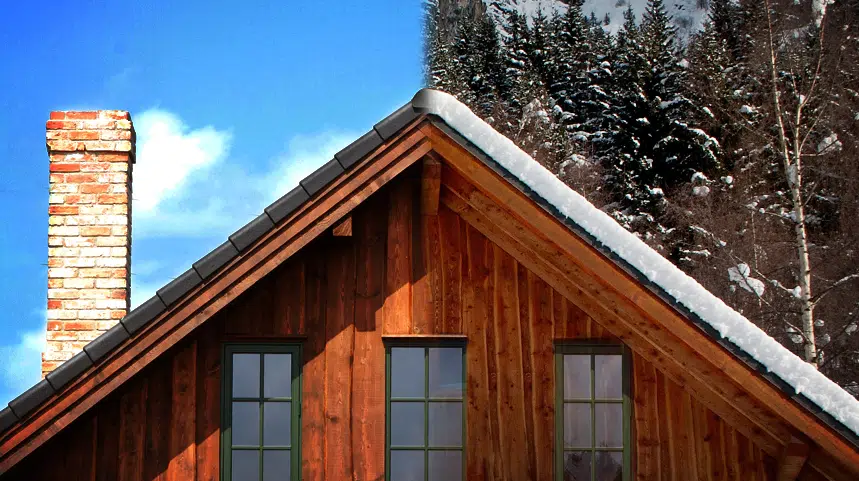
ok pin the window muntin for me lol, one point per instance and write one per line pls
(592, 413)
(260, 406)
(425, 391)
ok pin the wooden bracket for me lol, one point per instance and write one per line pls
(430, 185)
(343, 228)
(792, 459)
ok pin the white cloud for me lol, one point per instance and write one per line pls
(168, 153)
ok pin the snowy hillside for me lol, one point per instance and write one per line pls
(688, 17)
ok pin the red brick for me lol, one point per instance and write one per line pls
(118, 294)
(63, 210)
(57, 115)
(117, 314)
(94, 188)
(64, 167)
(113, 199)
(60, 125)
(79, 325)
(84, 135)
(54, 304)
(88, 115)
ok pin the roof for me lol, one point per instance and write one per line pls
(797, 379)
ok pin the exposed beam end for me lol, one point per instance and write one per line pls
(343, 228)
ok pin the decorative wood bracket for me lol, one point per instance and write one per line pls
(792, 459)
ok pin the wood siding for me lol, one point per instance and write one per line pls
(401, 272)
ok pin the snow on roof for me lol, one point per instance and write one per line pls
(730, 324)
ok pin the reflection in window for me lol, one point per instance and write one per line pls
(261, 410)
(593, 419)
(425, 413)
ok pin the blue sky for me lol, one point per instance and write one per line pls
(233, 102)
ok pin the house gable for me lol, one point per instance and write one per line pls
(476, 202)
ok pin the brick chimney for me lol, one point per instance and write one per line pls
(89, 228)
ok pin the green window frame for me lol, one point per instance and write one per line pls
(431, 452)
(581, 411)
(271, 395)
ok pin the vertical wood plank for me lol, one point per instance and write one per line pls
(509, 355)
(182, 432)
(664, 410)
(368, 383)
(647, 434)
(340, 333)
(527, 319)
(499, 464)
(476, 315)
(684, 429)
(107, 440)
(668, 411)
(451, 270)
(288, 299)
(313, 372)
(208, 437)
(542, 352)
(156, 455)
(132, 430)
(714, 442)
(398, 264)
(702, 438)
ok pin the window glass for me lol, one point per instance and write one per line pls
(261, 408)
(590, 398)
(425, 413)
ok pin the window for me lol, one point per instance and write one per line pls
(592, 415)
(425, 388)
(261, 402)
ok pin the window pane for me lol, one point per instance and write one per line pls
(608, 466)
(445, 466)
(445, 424)
(277, 428)
(407, 424)
(275, 466)
(445, 372)
(609, 419)
(245, 375)
(245, 466)
(245, 424)
(407, 372)
(608, 377)
(278, 375)
(577, 466)
(407, 466)
(577, 377)
(577, 425)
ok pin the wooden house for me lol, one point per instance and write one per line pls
(431, 304)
